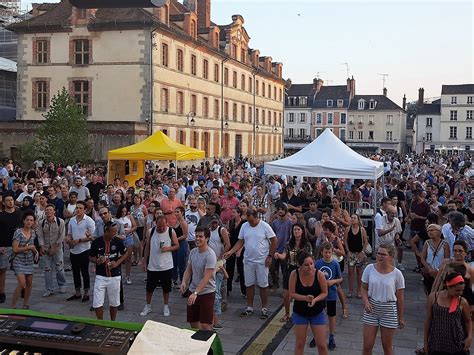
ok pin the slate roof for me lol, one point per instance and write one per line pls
(383, 103)
(301, 90)
(334, 93)
(429, 109)
(457, 89)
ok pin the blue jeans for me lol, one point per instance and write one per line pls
(179, 260)
(54, 263)
(217, 300)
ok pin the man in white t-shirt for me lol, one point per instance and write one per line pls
(192, 217)
(157, 261)
(260, 244)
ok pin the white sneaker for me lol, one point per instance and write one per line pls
(146, 310)
(48, 293)
(62, 289)
(166, 311)
(128, 281)
(400, 267)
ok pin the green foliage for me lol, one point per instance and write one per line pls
(63, 137)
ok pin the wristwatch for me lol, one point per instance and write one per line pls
(195, 293)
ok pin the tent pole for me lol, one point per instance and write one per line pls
(108, 171)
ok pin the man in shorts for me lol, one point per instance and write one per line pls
(108, 253)
(260, 245)
(201, 272)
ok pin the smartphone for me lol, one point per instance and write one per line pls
(202, 335)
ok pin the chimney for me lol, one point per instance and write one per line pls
(35, 11)
(317, 84)
(385, 92)
(421, 97)
(404, 104)
(351, 86)
(190, 4)
(204, 13)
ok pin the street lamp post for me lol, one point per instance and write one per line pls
(191, 120)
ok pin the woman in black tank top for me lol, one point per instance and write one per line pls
(356, 240)
(308, 289)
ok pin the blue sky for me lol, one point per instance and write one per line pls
(418, 44)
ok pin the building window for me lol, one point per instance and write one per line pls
(429, 121)
(205, 107)
(351, 135)
(291, 132)
(42, 51)
(243, 55)
(205, 69)
(216, 109)
(319, 118)
(454, 100)
(468, 132)
(429, 137)
(250, 114)
(302, 117)
(275, 93)
(242, 82)
(371, 119)
(351, 119)
(302, 133)
(340, 103)
(194, 104)
(180, 102)
(371, 135)
(291, 117)
(41, 95)
(470, 99)
(360, 105)
(453, 132)
(164, 100)
(234, 79)
(361, 135)
(257, 119)
(81, 51)
(242, 113)
(269, 120)
(263, 89)
(193, 65)
(234, 112)
(360, 118)
(469, 114)
(371, 104)
(216, 73)
(389, 119)
(329, 103)
(453, 115)
(343, 118)
(226, 76)
(275, 118)
(82, 95)
(250, 84)
(193, 29)
(226, 110)
(164, 54)
(181, 137)
(330, 117)
(263, 117)
(342, 135)
(318, 132)
(256, 87)
(388, 135)
(179, 60)
(269, 91)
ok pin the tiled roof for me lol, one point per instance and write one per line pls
(301, 90)
(383, 103)
(56, 19)
(334, 93)
(429, 109)
(457, 89)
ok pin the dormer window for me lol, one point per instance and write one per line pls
(340, 102)
(361, 104)
(372, 104)
(329, 103)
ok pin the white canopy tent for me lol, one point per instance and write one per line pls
(326, 156)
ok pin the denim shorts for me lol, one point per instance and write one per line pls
(319, 319)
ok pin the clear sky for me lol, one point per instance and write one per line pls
(418, 44)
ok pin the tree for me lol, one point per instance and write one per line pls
(63, 137)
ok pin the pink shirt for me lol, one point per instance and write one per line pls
(227, 205)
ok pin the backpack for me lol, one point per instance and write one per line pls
(170, 231)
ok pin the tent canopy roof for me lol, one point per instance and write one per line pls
(326, 156)
(156, 147)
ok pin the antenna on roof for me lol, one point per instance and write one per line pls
(383, 79)
(347, 68)
(318, 74)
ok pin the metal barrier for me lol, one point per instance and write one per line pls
(363, 209)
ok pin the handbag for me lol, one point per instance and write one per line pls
(368, 249)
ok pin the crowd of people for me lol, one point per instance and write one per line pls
(202, 228)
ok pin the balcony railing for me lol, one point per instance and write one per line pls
(297, 138)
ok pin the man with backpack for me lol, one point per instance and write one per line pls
(51, 233)
(157, 261)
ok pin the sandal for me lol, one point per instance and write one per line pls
(345, 313)
(285, 318)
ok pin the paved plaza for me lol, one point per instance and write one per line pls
(238, 331)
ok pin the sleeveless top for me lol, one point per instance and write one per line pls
(301, 307)
(435, 259)
(447, 329)
(354, 241)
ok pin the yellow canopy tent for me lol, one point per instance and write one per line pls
(129, 162)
